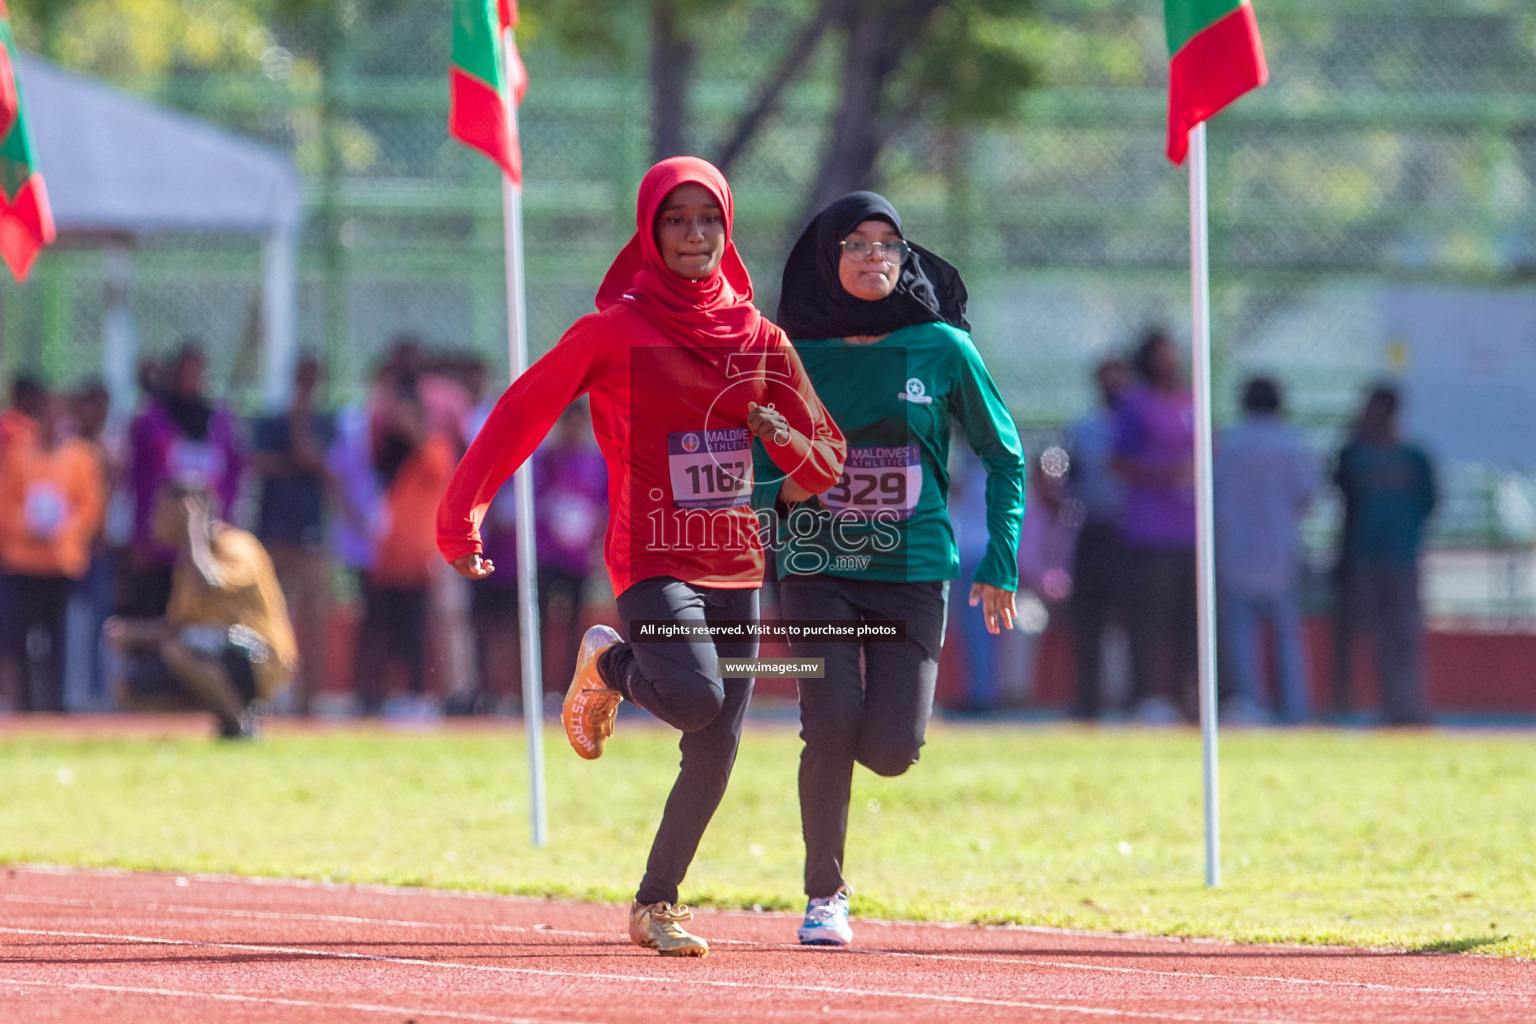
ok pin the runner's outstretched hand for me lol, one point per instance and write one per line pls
(474, 566)
(996, 604)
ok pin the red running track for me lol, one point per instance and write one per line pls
(128, 948)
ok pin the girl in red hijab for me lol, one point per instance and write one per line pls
(683, 372)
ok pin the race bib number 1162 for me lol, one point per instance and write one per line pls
(710, 468)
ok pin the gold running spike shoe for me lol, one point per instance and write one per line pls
(655, 926)
(590, 705)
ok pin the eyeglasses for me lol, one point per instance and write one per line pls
(890, 252)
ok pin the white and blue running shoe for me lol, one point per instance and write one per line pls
(826, 921)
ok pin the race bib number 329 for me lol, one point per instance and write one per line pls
(710, 468)
(878, 478)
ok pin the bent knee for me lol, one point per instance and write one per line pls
(889, 762)
(699, 711)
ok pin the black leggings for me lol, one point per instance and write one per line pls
(679, 683)
(874, 714)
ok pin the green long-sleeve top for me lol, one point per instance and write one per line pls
(887, 519)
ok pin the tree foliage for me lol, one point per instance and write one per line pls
(961, 62)
(139, 40)
(973, 61)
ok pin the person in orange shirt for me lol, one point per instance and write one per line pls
(413, 465)
(51, 503)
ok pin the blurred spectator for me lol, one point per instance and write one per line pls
(357, 498)
(1154, 455)
(89, 410)
(1265, 477)
(445, 408)
(494, 613)
(179, 437)
(445, 401)
(1047, 547)
(413, 466)
(84, 667)
(570, 507)
(570, 517)
(17, 423)
(1389, 491)
(1097, 565)
(448, 405)
(51, 501)
(225, 640)
(357, 501)
(968, 515)
(474, 375)
(148, 375)
(289, 457)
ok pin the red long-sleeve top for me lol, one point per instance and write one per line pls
(670, 419)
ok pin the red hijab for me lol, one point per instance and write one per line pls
(716, 310)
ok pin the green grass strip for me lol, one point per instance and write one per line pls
(1412, 841)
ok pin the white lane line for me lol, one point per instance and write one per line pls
(1460, 993)
(272, 915)
(283, 915)
(413, 892)
(650, 979)
(232, 997)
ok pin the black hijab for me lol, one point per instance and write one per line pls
(814, 304)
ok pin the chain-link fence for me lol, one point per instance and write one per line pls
(1396, 146)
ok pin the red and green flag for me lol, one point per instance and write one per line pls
(26, 222)
(1214, 56)
(477, 80)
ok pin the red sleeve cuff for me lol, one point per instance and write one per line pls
(455, 548)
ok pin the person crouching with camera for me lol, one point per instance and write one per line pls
(226, 643)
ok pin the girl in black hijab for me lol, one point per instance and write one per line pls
(879, 323)
(814, 304)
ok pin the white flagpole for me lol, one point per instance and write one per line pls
(522, 480)
(1205, 534)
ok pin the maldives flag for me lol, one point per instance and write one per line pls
(26, 222)
(1214, 56)
(477, 115)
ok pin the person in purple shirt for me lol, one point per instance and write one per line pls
(1154, 454)
(178, 438)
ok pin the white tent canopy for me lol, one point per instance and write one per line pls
(118, 168)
